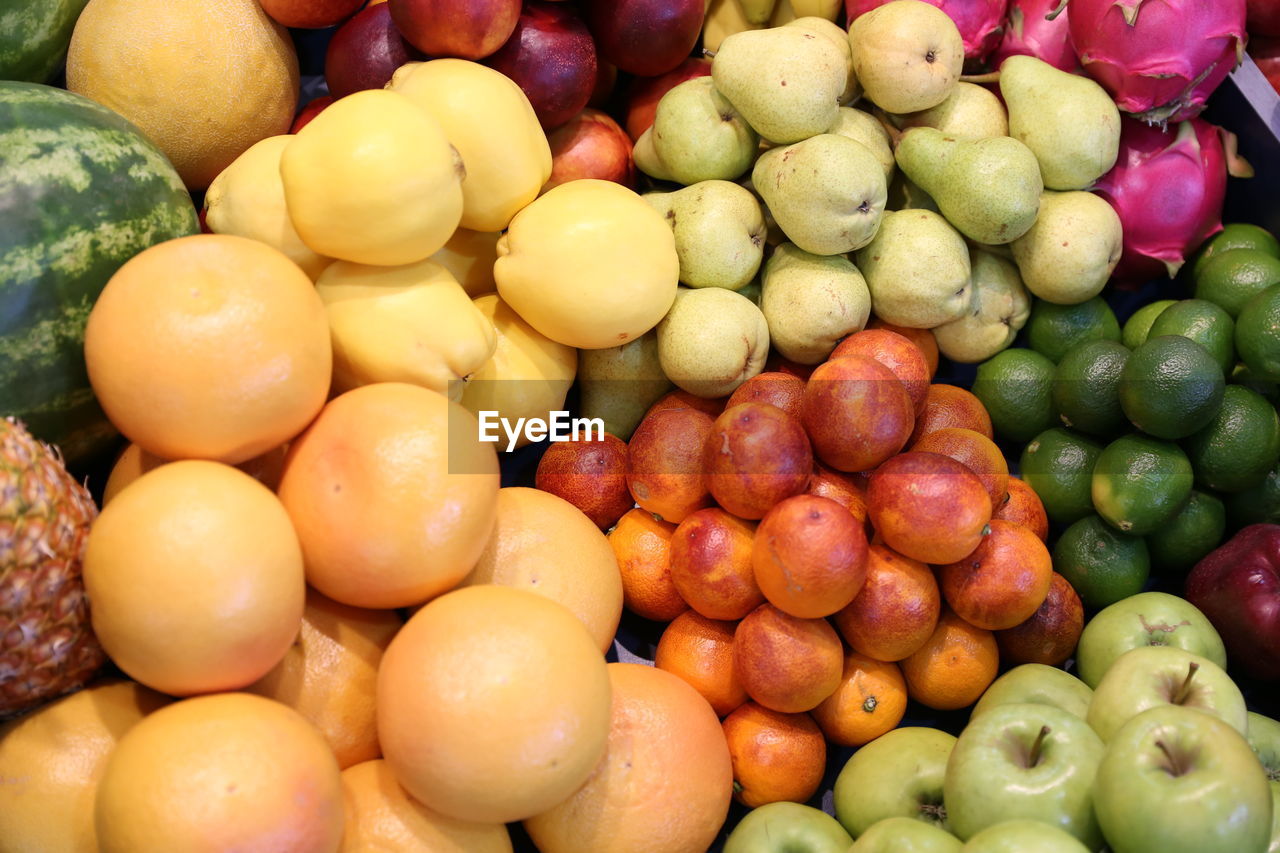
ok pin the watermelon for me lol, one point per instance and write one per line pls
(34, 35)
(81, 192)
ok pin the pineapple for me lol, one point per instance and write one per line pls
(47, 646)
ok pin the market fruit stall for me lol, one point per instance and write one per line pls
(742, 425)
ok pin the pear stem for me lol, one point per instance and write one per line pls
(989, 77)
(1185, 688)
(1174, 767)
(895, 135)
(1037, 747)
(709, 54)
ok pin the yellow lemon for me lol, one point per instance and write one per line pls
(411, 323)
(247, 199)
(203, 79)
(490, 121)
(373, 179)
(469, 256)
(529, 374)
(589, 264)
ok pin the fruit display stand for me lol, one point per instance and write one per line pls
(1247, 106)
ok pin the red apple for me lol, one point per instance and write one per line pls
(552, 58)
(1263, 17)
(469, 29)
(1237, 586)
(645, 37)
(365, 52)
(590, 145)
(309, 111)
(1266, 55)
(310, 14)
(645, 92)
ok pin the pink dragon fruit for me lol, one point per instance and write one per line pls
(1031, 32)
(1168, 186)
(1160, 59)
(980, 21)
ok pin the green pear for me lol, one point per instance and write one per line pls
(619, 384)
(907, 55)
(905, 194)
(719, 229)
(970, 110)
(917, 269)
(988, 188)
(1000, 308)
(867, 129)
(1067, 120)
(696, 135)
(712, 340)
(827, 193)
(1068, 254)
(786, 82)
(647, 160)
(752, 291)
(811, 301)
(773, 234)
(833, 31)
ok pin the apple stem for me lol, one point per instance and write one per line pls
(1185, 689)
(709, 54)
(989, 77)
(1175, 769)
(1038, 746)
(936, 812)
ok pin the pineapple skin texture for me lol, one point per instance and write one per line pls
(47, 646)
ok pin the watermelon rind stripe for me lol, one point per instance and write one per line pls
(34, 36)
(81, 192)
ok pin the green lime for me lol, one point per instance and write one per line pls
(1258, 505)
(1171, 387)
(1014, 385)
(1230, 279)
(1268, 388)
(1239, 446)
(1058, 466)
(1203, 322)
(1102, 564)
(1139, 323)
(1054, 329)
(1140, 482)
(1258, 334)
(1237, 235)
(1086, 388)
(1195, 531)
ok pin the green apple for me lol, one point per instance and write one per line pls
(1145, 619)
(1024, 761)
(899, 774)
(1021, 836)
(1037, 684)
(787, 828)
(1264, 737)
(905, 835)
(1148, 676)
(1178, 780)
